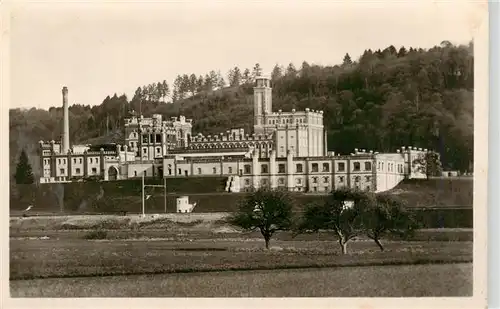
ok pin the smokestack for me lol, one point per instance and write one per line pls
(65, 145)
(325, 144)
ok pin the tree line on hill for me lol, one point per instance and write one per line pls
(384, 100)
(188, 85)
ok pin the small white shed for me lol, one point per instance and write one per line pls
(183, 205)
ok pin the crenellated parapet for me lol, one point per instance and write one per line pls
(228, 137)
(362, 152)
(413, 150)
(50, 148)
(156, 121)
(306, 114)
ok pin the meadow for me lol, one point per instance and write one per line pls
(373, 281)
(50, 253)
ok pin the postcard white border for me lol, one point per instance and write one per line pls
(480, 209)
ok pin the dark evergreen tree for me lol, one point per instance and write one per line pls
(277, 72)
(24, 173)
(137, 94)
(347, 60)
(247, 78)
(234, 76)
(291, 70)
(199, 84)
(165, 90)
(257, 71)
(402, 52)
(192, 84)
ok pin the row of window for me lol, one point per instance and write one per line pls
(326, 179)
(341, 179)
(75, 160)
(150, 138)
(290, 121)
(247, 169)
(390, 167)
(216, 145)
(285, 120)
(144, 172)
(78, 171)
(299, 168)
(145, 150)
(281, 181)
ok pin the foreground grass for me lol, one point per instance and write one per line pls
(386, 281)
(79, 258)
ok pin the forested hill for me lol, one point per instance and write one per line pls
(381, 101)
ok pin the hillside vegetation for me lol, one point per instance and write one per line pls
(384, 100)
(446, 202)
(451, 192)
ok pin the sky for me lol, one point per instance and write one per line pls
(98, 49)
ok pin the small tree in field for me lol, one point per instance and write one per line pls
(266, 210)
(341, 213)
(386, 215)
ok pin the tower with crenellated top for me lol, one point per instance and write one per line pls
(262, 103)
(301, 132)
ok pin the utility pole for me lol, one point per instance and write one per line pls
(165, 192)
(164, 186)
(143, 202)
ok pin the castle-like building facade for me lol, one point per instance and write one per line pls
(286, 150)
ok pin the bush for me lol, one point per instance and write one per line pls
(96, 234)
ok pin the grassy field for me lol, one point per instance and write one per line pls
(76, 258)
(46, 252)
(173, 227)
(391, 281)
(436, 192)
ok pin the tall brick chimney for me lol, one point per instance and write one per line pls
(65, 145)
